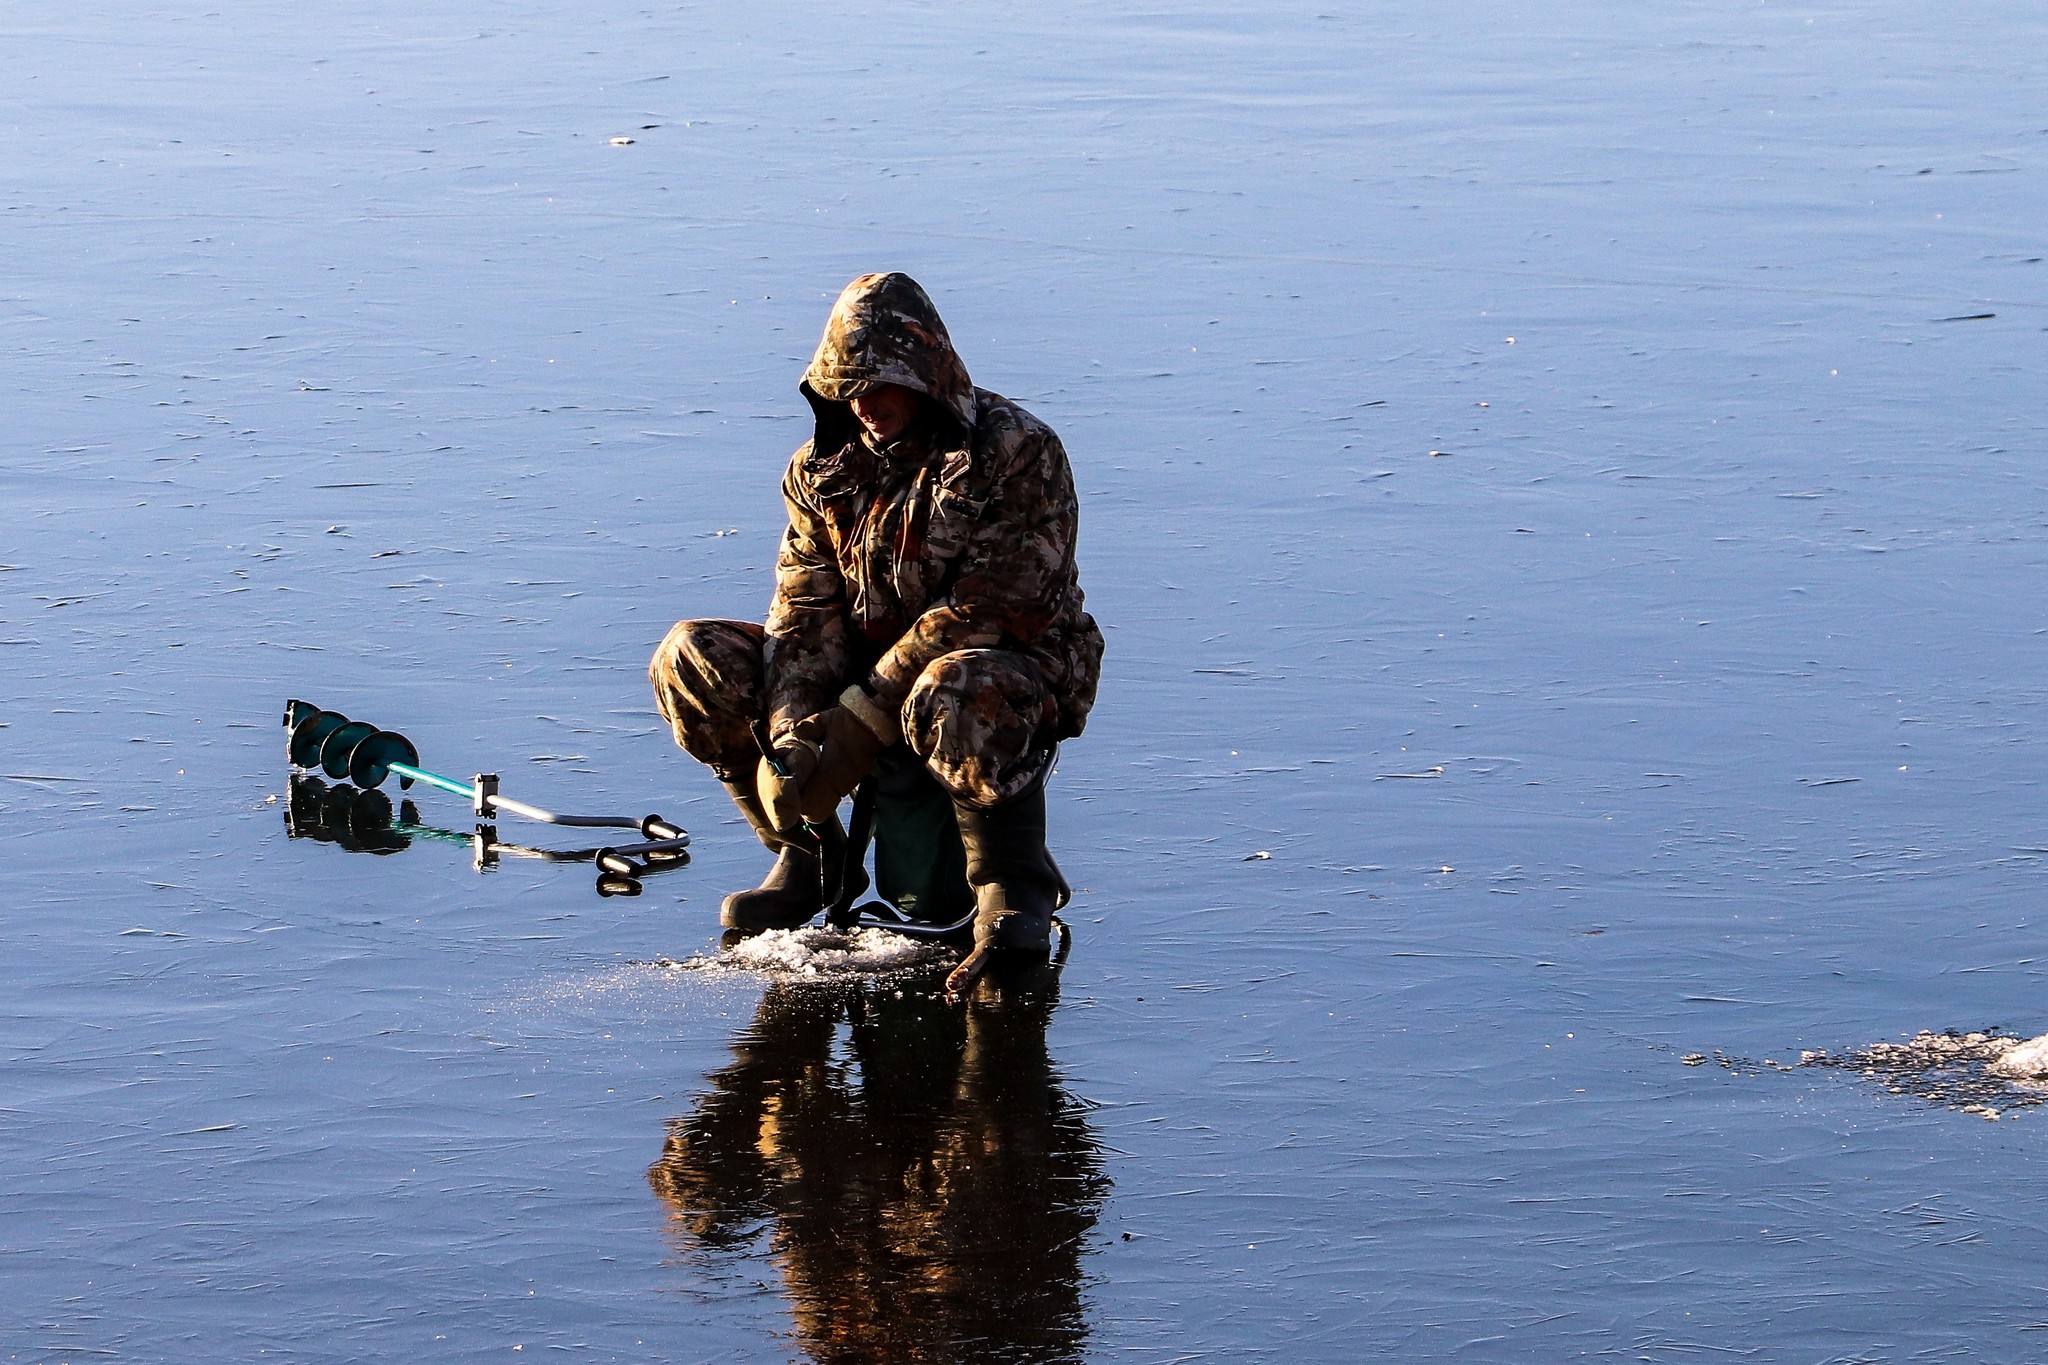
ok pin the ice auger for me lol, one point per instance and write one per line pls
(360, 753)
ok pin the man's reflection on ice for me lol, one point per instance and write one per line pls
(924, 1184)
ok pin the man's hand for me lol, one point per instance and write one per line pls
(846, 752)
(782, 792)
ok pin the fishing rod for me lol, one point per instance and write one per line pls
(365, 755)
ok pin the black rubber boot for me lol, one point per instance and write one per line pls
(1017, 886)
(792, 893)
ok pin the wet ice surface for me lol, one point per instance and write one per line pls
(1562, 484)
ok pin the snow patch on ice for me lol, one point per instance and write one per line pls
(813, 952)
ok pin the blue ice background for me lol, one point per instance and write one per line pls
(1558, 402)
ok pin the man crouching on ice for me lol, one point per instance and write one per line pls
(926, 635)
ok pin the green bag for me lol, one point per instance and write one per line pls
(920, 866)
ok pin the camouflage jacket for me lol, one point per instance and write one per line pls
(959, 535)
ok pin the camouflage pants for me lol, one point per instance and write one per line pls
(982, 720)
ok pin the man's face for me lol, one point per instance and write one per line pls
(886, 412)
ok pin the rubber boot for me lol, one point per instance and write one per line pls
(1017, 886)
(799, 885)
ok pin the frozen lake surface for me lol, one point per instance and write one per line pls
(1564, 489)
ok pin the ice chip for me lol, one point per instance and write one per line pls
(813, 952)
(2026, 1061)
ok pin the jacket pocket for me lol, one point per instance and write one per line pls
(955, 517)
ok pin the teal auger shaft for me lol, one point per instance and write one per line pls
(446, 784)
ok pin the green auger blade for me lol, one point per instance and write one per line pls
(338, 746)
(371, 762)
(310, 733)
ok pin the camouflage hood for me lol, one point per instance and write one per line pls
(884, 330)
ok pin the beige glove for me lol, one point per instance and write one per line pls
(849, 738)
